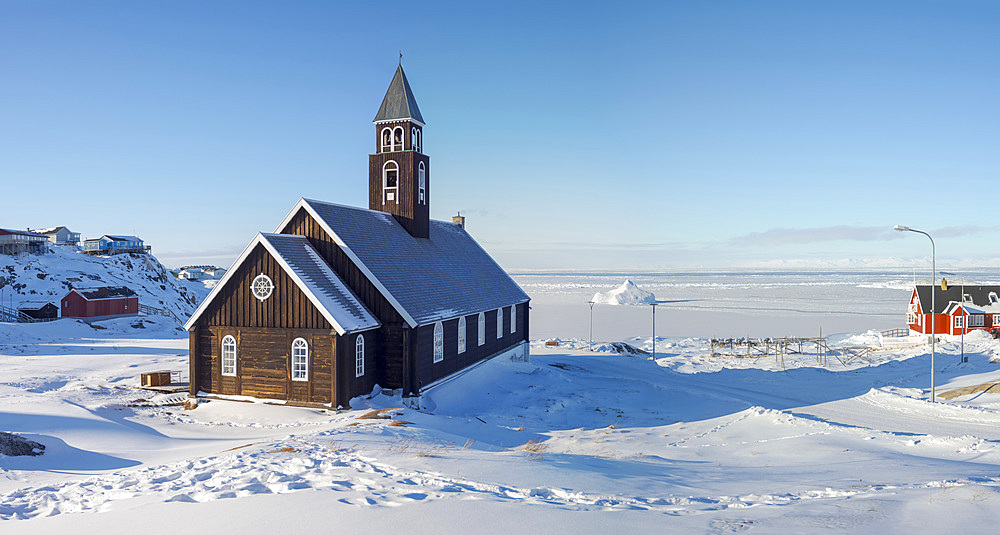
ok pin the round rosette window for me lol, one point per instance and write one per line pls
(262, 287)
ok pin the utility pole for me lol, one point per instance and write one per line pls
(654, 329)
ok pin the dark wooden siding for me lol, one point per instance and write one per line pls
(388, 347)
(427, 371)
(413, 215)
(288, 306)
(407, 134)
(351, 385)
(264, 363)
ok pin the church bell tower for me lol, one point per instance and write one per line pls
(399, 173)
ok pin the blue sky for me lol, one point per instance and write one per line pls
(573, 135)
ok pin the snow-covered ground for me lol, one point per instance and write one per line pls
(50, 277)
(572, 441)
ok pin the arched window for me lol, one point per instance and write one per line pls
(499, 323)
(461, 334)
(513, 319)
(482, 328)
(397, 138)
(359, 356)
(229, 356)
(390, 182)
(386, 139)
(422, 182)
(438, 342)
(300, 360)
(415, 138)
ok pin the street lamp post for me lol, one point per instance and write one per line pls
(902, 228)
(591, 303)
(654, 329)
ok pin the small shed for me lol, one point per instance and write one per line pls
(100, 303)
(39, 310)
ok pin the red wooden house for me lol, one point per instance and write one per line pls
(957, 309)
(100, 303)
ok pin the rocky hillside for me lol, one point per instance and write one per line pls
(50, 277)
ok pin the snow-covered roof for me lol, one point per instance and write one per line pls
(34, 305)
(105, 292)
(425, 279)
(324, 289)
(980, 296)
(121, 237)
(21, 232)
(51, 230)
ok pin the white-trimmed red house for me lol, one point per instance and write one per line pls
(957, 309)
(100, 303)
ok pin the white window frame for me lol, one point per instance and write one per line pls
(262, 287)
(229, 354)
(386, 142)
(438, 342)
(499, 323)
(513, 319)
(422, 183)
(401, 140)
(461, 335)
(966, 298)
(993, 298)
(386, 189)
(359, 356)
(300, 360)
(959, 322)
(977, 320)
(482, 328)
(415, 139)
(996, 320)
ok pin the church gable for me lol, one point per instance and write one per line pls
(301, 222)
(287, 306)
(280, 281)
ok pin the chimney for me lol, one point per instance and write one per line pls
(459, 220)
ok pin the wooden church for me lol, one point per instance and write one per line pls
(340, 299)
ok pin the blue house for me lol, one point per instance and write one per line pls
(114, 244)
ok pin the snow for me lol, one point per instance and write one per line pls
(49, 277)
(573, 440)
(626, 294)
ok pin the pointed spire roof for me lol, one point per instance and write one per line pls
(399, 102)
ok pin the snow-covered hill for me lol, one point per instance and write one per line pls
(50, 277)
(626, 294)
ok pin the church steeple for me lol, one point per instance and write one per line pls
(399, 102)
(399, 172)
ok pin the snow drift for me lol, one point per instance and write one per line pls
(626, 294)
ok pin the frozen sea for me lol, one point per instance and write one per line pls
(729, 303)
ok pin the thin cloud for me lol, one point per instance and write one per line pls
(964, 230)
(787, 236)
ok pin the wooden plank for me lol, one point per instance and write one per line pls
(193, 360)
